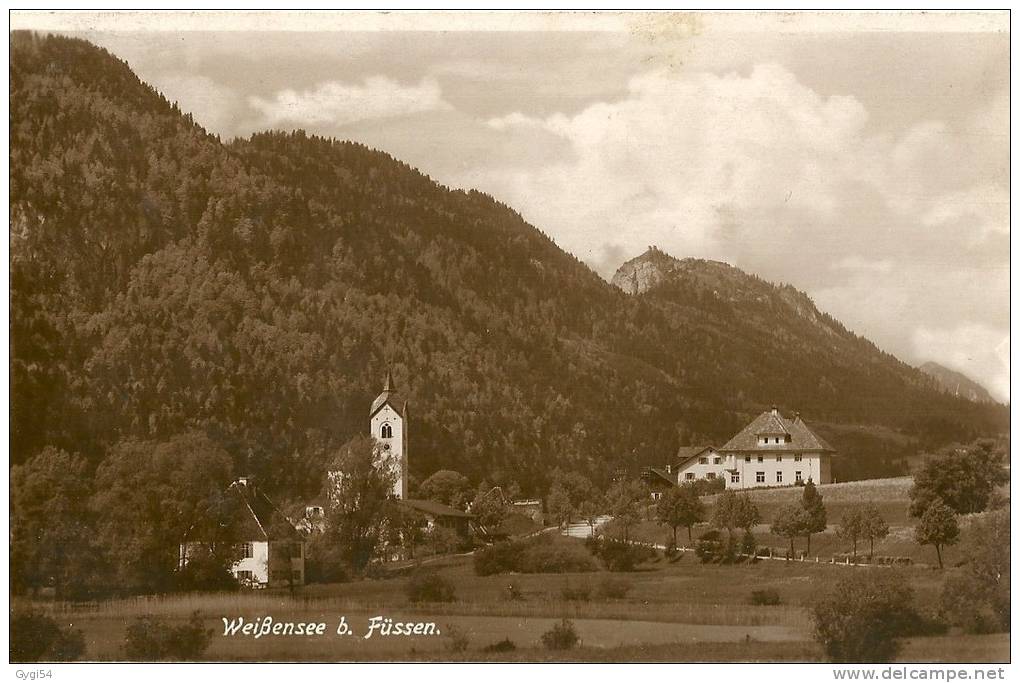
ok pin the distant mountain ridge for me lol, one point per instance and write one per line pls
(956, 383)
(164, 282)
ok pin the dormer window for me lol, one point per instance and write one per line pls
(387, 431)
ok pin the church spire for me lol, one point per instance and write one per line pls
(389, 380)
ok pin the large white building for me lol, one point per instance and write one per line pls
(770, 451)
(776, 451)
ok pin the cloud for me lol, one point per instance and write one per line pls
(892, 231)
(336, 103)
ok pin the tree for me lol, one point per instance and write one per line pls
(977, 595)
(873, 526)
(851, 528)
(938, 527)
(745, 514)
(52, 527)
(577, 487)
(559, 506)
(864, 615)
(441, 540)
(489, 508)
(358, 486)
(734, 511)
(725, 514)
(447, 487)
(624, 499)
(406, 526)
(814, 518)
(152, 496)
(789, 523)
(590, 511)
(963, 477)
(678, 507)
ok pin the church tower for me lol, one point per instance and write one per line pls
(388, 424)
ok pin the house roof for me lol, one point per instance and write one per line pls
(660, 473)
(258, 518)
(685, 453)
(770, 423)
(431, 507)
(389, 397)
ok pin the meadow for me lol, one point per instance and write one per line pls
(890, 496)
(673, 611)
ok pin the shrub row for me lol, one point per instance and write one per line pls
(619, 556)
(542, 554)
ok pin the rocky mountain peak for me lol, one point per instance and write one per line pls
(643, 272)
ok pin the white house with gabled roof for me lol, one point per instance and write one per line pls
(770, 451)
(776, 451)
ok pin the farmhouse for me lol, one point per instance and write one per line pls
(270, 550)
(770, 451)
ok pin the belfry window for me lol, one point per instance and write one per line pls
(386, 432)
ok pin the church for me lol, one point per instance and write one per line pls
(389, 425)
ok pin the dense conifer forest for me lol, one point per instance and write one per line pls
(165, 283)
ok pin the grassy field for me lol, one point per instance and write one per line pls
(890, 496)
(681, 611)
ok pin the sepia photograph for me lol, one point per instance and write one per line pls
(510, 337)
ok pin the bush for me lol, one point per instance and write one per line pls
(557, 558)
(619, 556)
(150, 639)
(709, 547)
(428, 586)
(543, 554)
(499, 558)
(562, 636)
(709, 487)
(863, 617)
(458, 639)
(324, 561)
(37, 638)
(206, 570)
(505, 645)
(766, 596)
(748, 546)
(581, 593)
(612, 587)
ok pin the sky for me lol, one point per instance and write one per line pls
(864, 160)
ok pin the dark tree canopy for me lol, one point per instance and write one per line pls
(962, 477)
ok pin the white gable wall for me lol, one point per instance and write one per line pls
(700, 470)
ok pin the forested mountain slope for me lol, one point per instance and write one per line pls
(164, 282)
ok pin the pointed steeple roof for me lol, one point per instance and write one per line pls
(388, 397)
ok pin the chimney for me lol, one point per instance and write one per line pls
(247, 483)
(796, 417)
(775, 411)
(669, 469)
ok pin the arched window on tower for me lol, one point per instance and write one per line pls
(387, 431)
